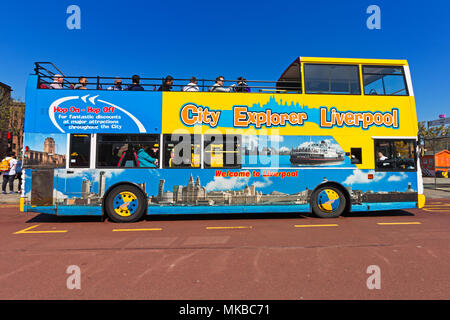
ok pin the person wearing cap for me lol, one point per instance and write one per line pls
(242, 85)
(58, 82)
(117, 85)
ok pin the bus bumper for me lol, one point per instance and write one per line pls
(420, 201)
(22, 204)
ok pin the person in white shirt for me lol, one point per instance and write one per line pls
(218, 86)
(191, 86)
(58, 81)
(381, 156)
(8, 176)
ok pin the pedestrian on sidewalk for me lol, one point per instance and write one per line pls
(19, 175)
(8, 175)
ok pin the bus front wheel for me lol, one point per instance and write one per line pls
(328, 202)
(125, 203)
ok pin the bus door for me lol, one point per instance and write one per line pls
(78, 184)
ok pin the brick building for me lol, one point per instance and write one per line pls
(11, 122)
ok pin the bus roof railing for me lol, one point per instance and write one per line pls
(46, 72)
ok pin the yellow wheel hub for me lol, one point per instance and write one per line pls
(125, 203)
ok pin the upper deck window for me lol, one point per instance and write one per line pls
(332, 79)
(386, 81)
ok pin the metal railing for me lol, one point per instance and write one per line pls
(46, 72)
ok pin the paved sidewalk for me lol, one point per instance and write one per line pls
(10, 198)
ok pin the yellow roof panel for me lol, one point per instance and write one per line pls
(354, 60)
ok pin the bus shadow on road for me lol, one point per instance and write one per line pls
(387, 213)
(51, 218)
(226, 216)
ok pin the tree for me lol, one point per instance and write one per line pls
(432, 138)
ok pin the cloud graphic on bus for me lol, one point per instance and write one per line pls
(359, 176)
(222, 183)
(400, 177)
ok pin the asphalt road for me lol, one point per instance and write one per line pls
(271, 256)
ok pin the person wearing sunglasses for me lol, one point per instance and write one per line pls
(218, 86)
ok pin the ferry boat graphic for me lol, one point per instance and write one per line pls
(316, 153)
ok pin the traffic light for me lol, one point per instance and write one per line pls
(10, 142)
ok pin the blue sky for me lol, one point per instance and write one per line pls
(257, 39)
(35, 141)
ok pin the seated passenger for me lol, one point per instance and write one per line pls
(145, 160)
(82, 82)
(135, 86)
(381, 160)
(242, 85)
(381, 156)
(191, 86)
(218, 86)
(43, 85)
(167, 84)
(117, 85)
(57, 83)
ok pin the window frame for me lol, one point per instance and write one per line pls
(333, 64)
(89, 135)
(238, 149)
(352, 152)
(163, 153)
(388, 74)
(97, 143)
(392, 145)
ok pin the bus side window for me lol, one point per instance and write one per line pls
(395, 155)
(181, 151)
(405, 154)
(384, 154)
(127, 151)
(222, 151)
(386, 81)
(80, 150)
(331, 79)
(356, 155)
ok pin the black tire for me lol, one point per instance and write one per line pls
(324, 204)
(134, 199)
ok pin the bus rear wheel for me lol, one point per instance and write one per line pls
(328, 202)
(125, 203)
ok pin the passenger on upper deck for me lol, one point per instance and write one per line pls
(135, 86)
(242, 85)
(218, 86)
(58, 81)
(167, 84)
(117, 85)
(82, 82)
(191, 86)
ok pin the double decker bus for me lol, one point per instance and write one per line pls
(331, 135)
